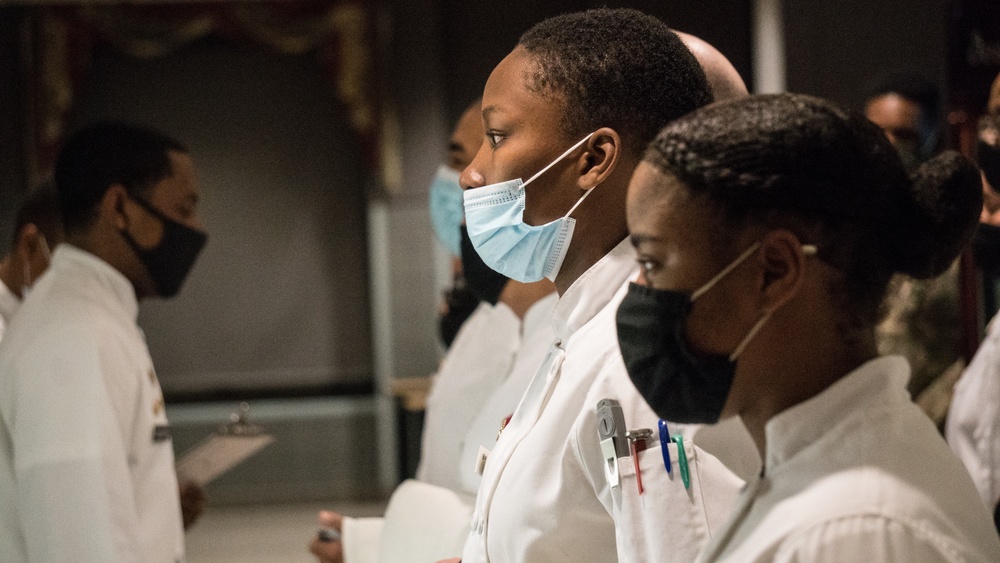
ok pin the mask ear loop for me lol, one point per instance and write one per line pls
(808, 250)
(556, 161)
(725, 271)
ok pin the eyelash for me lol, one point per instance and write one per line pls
(492, 135)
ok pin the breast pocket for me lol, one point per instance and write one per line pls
(667, 522)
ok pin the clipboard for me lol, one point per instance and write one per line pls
(232, 444)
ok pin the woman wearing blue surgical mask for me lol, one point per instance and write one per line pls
(768, 230)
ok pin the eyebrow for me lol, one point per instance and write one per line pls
(489, 109)
(455, 147)
(639, 238)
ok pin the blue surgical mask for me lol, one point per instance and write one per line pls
(494, 215)
(446, 208)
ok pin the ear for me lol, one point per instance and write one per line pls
(782, 260)
(603, 151)
(26, 239)
(112, 206)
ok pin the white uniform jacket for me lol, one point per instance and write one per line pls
(973, 425)
(86, 461)
(9, 304)
(480, 382)
(858, 473)
(474, 367)
(544, 496)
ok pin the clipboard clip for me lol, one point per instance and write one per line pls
(238, 424)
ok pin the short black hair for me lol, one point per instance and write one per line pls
(617, 68)
(107, 153)
(42, 209)
(831, 176)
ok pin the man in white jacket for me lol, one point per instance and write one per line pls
(86, 461)
(37, 230)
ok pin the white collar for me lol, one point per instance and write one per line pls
(73, 261)
(593, 290)
(875, 385)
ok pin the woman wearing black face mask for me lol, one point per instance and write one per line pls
(768, 230)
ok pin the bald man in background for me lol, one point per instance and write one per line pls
(722, 76)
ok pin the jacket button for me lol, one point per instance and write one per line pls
(474, 525)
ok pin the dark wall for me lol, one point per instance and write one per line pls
(477, 35)
(838, 49)
(278, 301)
(12, 106)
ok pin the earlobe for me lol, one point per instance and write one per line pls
(599, 162)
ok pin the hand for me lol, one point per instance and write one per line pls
(455, 560)
(192, 502)
(328, 551)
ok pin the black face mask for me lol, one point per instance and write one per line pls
(678, 385)
(170, 261)
(461, 303)
(988, 158)
(482, 280)
(986, 248)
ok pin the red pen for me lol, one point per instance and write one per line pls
(637, 440)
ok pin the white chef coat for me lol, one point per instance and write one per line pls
(536, 338)
(475, 366)
(973, 425)
(544, 496)
(858, 473)
(479, 385)
(9, 303)
(86, 461)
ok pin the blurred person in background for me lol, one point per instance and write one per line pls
(973, 424)
(86, 458)
(922, 319)
(37, 231)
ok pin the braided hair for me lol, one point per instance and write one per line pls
(832, 177)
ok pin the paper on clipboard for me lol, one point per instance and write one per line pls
(222, 450)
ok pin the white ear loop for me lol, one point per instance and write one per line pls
(556, 161)
(808, 250)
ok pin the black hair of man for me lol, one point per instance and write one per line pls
(832, 177)
(42, 209)
(617, 68)
(104, 154)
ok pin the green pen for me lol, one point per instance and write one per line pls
(682, 460)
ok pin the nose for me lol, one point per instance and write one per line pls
(471, 178)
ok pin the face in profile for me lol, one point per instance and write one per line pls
(165, 229)
(673, 236)
(523, 133)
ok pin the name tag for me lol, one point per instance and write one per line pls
(161, 433)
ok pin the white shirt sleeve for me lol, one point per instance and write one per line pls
(74, 491)
(873, 539)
